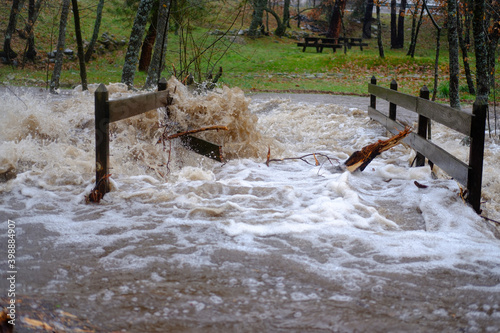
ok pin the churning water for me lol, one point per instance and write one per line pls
(186, 244)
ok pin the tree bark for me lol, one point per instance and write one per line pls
(394, 28)
(414, 39)
(481, 51)
(335, 25)
(286, 13)
(79, 43)
(379, 32)
(257, 24)
(95, 34)
(135, 41)
(464, 43)
(56, 74)
(400, 39)
(156, 66)
(147, 47)
(367, 21)
(453, 53)
(11, 27)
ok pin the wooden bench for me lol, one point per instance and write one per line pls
(319, 43)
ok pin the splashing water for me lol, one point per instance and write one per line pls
(242, 246)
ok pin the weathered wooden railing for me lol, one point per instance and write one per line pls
(472, 125)
(107, 112)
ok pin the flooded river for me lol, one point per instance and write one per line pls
(187, 244)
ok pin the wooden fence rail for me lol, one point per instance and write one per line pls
(472, 125)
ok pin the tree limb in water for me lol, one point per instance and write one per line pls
(302, 158)
(361, 158)
(209, 128)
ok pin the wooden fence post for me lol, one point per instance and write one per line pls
(162, 84)
(101, 97)
(476, 155)
(373, 98)
(422, 126)
(392, 106)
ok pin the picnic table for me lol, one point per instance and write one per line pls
(319, 43)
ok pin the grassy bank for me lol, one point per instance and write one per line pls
(267, 63)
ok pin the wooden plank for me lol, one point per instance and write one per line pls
(455, 119)
(101, 115)
(128, 107)
(447, 162)
(202, 147)
(403, 100)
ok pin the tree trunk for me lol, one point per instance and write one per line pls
(367, 21)
(464, 43)
(400, 39)
(135, 41)
(379, 32)
(56, 75)
(8, 53)
(281, 25)
(413, 44)
(147, 47)
(156, 66)
(453, 53)
(335, 25)
(286, 13)
(30, 54)
(394, 31)
(95, 34)
(481, 51)
(257, 24)
(79, 43)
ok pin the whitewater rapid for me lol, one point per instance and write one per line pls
(184, 243)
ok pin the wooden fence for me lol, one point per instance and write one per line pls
(107, 112)
(472, 125)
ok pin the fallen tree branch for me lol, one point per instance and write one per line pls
(302, 158)
(209, 128)
(361, 158)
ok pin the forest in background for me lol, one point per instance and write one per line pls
(252, 44)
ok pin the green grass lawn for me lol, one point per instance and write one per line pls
(267, 63)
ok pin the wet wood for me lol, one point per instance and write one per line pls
(476, 155)
(457, 120)
(101, 96)
(128, 107)
(202, 147)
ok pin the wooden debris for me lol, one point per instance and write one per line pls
(302, 158)
(361, 158)
(209, 128)
(417, 184)
(95, 195)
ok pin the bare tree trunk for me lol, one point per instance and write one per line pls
(135, 41)
(257, 24)
(147, 47)
(400, 39)
(379, 32)
(367, 21)
(453, 53)
(464, 43)
(95, 34)
(394, 28)
(481, 51)
(79, 43)
(335, 25)
(56, 75)
(11, 27)
(413, 44)
(286, 13)
(156, 66)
